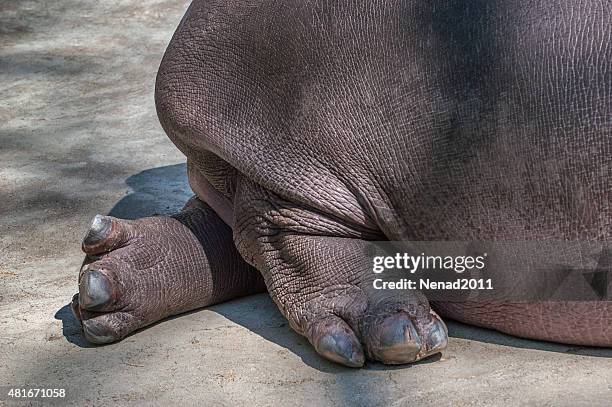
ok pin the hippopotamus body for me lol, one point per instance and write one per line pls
(312, 127)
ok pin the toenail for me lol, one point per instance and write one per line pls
(74, 306)
(339, 348)
(100, 229)
(399, 341)
(398, 329)
(438, 337)
(94, 290)
(96, 333)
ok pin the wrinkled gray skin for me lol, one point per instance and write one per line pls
(311, 127)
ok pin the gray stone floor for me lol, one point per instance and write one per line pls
(79, 136)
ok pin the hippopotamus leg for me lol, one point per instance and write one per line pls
(139, 272)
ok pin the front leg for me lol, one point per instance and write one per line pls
(319, 274)
(139, 272)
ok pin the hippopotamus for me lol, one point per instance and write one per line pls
(311, 128)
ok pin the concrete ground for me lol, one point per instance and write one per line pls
(79, 136)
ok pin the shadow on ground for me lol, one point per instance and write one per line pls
(164, 190)
(156, 191)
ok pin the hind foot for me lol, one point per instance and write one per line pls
(139, 272)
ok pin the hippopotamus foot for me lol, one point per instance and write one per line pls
(323, 290)
(320, 275)
(139, 272)
(345, 321)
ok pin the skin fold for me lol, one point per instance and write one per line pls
(311, 128)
